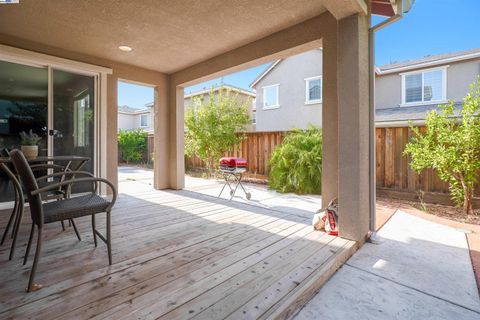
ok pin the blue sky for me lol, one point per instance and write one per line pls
(431, 27)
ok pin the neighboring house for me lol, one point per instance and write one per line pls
(289, 93)
(131, 118)
(407, 91)
(242, 96)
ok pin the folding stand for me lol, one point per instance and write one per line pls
(237, 181)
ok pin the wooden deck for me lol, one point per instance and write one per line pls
(177, 255)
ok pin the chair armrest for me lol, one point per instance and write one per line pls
(57, 185)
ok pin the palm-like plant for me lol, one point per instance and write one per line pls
(296, 164)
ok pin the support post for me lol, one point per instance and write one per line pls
(176, 137)
(354, 130)
(169, 163)
(330, 118)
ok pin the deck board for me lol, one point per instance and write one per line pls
(177, 255)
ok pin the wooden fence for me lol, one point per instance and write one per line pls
(394, 176)
(257, 148)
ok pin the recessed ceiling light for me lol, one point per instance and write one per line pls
(125, 48)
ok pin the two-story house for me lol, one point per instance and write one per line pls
(407, 91)
(289, 93)
(130, 118)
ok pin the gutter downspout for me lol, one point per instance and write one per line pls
(372, 152)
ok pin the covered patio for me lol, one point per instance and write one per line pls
(176, 254)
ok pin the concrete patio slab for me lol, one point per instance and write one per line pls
(420, 270)
(356, 294)
(304, 205)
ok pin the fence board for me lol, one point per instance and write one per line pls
(393, 170)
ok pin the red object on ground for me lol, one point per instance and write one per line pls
(233, 162)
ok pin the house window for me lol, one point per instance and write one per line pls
(424, 86)
(144, 120)
(313, 90)
(270, 97)
(254, 117)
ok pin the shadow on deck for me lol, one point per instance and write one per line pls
(177, 255)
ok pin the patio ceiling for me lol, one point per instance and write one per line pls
(165, 35)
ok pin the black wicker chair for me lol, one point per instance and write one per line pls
(59, 193)
(63, 209)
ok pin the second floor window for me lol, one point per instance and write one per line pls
(424, 86)
(254, 117)
(270, 96)
(313, 92)
(144, 120)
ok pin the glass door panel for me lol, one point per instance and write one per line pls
(23, 107)
(73, 116)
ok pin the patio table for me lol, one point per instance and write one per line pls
(17, 212)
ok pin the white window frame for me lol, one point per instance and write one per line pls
(307, 90)
(276, 106)
(422, 72)
(254, 117)
(146, 116)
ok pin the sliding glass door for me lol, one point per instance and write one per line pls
(73, 123)
(23, 103)
(57, 105)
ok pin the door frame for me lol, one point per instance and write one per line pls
(35, 59)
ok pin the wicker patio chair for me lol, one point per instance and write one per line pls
(63, 209)
(59, 193)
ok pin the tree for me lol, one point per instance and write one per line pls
(215, 125)
(132, 144)
(451, 146)
(296, 164)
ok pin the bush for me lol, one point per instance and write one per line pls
(296, 164)
(451, 146)
(132, 145)
(215, 126)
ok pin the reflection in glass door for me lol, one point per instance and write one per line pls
(23, 107)
(73, 115)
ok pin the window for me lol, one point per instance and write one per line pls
(270, 97)
(254, 117)
(313, 90)
(424, 87)
(144, 120)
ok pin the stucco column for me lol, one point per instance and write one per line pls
(176, 137)
(330, 118)
(160, 132)
(169, 163)
(353, 127)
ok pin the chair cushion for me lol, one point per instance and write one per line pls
(74, 207)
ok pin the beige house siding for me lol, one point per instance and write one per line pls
(293, 111)
(388, 87)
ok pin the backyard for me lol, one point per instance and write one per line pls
(268, 160)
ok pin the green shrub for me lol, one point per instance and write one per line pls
(215, 126)
(132, 145)
(451, 146)
(296, 164)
